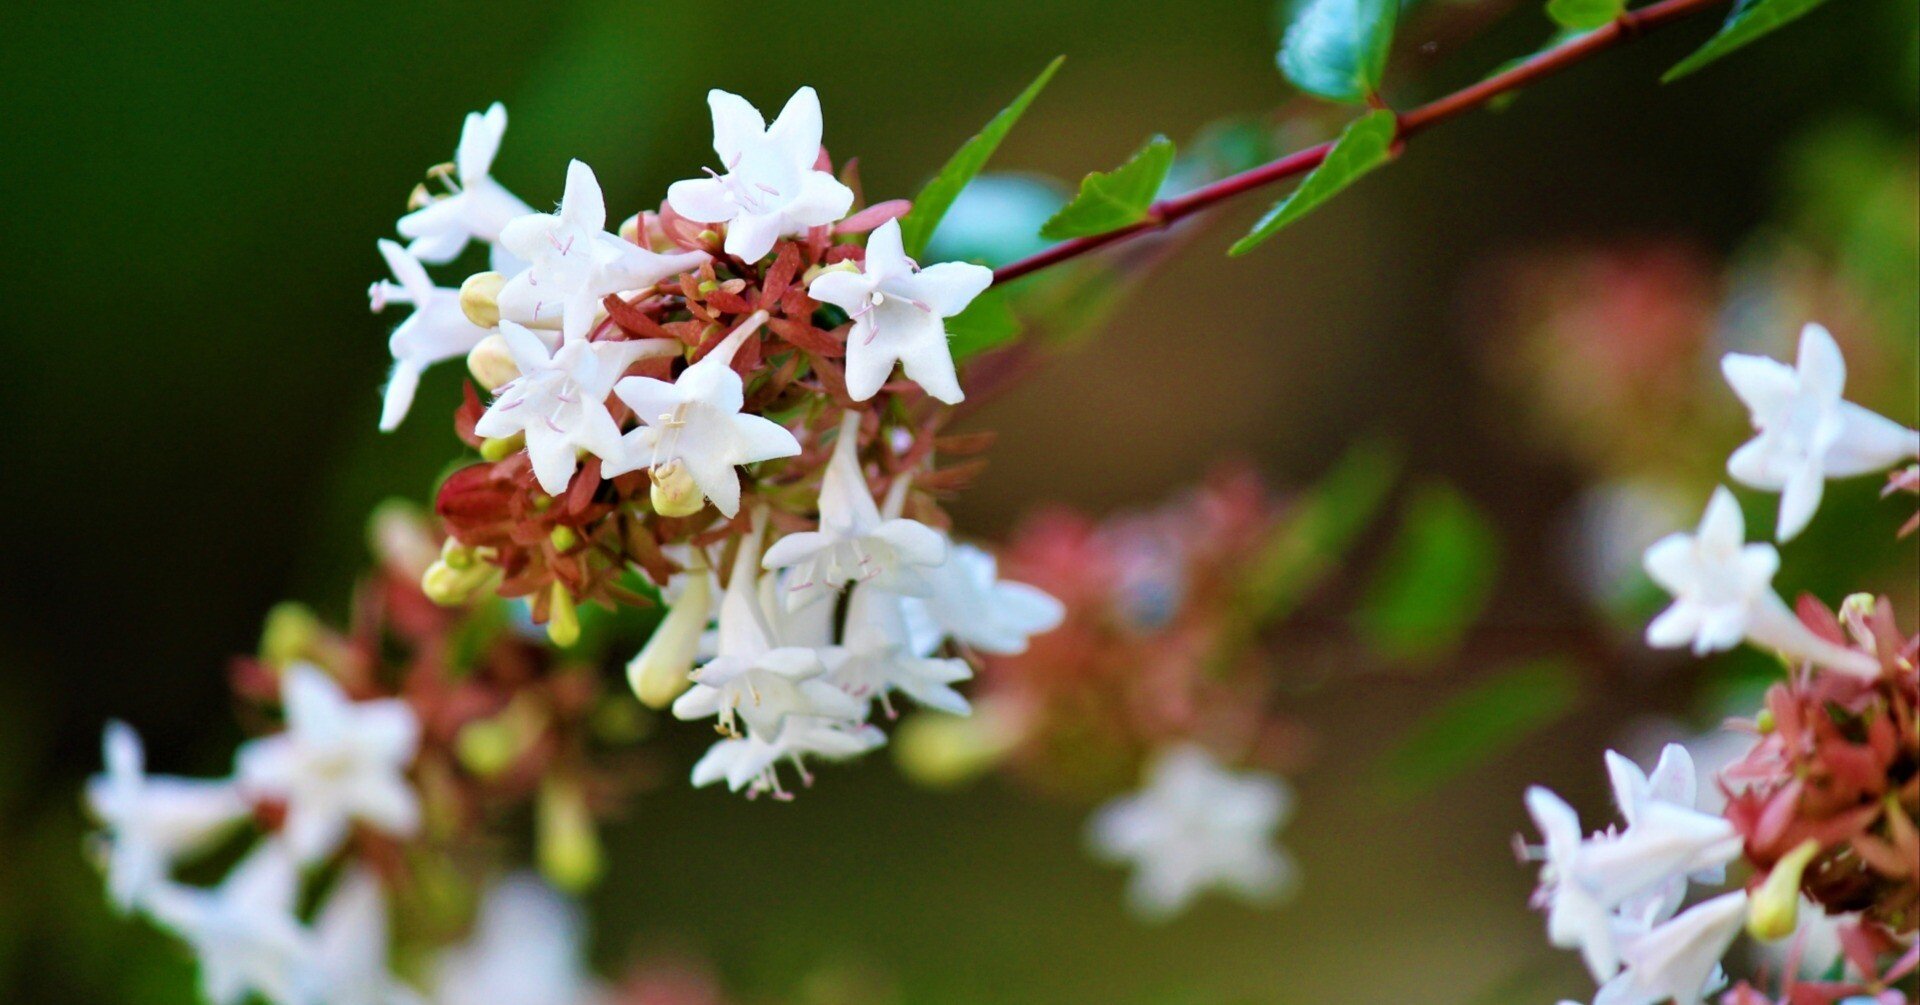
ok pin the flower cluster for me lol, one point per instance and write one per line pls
(702, 407)
(1822, 806)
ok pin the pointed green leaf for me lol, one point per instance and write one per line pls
(1434, 580)
(1321, 526)
(1584, 15)
(1337, 49)
(1110, 199)
(987, 323)
(1750, 20)
(932, 202)
(1472, 727)
(1367, 144)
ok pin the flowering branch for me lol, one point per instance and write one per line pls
(1164, 213)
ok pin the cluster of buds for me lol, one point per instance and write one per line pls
(702, 409)
(1822, 807)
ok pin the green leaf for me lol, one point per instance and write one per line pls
(1474, 726)
(1322, 525)
(1366, 144)
(987, 323)
(932, 202)
(1434, 580)
(1337, 49)
(1750, 20)
(1584, 15)
(1111, 199)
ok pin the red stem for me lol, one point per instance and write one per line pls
(1162, 214)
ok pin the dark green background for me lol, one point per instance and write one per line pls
(191, 384)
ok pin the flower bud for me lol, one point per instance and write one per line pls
(630, 230)
(499, 448)
(563, 618)
(674, 492)
(939, 750)
(290, 634)
(486, 747)
(490, 362)
(568, 849)
(563, 538)
(480, 298)
(452, 580)
(660, 672)
(1774, 911)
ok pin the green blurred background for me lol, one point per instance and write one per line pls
(194, 379)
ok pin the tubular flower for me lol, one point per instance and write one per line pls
(153, 821)
(477, 208)
(436, 330)
(769, 187)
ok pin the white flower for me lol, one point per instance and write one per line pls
(244, 931)
(969, 602)
(1194, 826)
(881, 658)
(350, 938)
(573, 263)
(752, 677)
(526, 949)
(771, 188)
(1806, 432)
(695, 425)
(854, 543)
(437, 329)
(559, 400)
(750, 762)
(1723, 593)
(1680, 959)
(899, 312)
(1675, 783)
(440, 230)
(338, 761)
(152, 821)
(1577, 916)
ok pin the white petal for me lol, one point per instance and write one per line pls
(1798, 501)
(582, 203)
(1868, 442)
(736, 123)
(1823, 371)
(796, 130)
(948, 287)
(1764, 385)
(702, 200)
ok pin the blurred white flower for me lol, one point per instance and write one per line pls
(337, 762)
(770, 187)
(972, 604)
(152, 821)
(244, 932)
(1195, 826)
(899, 312)
(573, 263)
(478, 208)
(526, 949)
(1679, 960)
(1723, 593)
(436, 330)
(1806, 433)
(351, 943)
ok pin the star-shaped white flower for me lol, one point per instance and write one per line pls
(437, 329)
(1673, 782)
(337, 762)
(1723, 593)
(153, 821)
(854, 543)
(1679, 960)
(752, 677)
(573, 263)
(881, 658)
(694, 425)
(751, 762)
(770, 188)
(478, 209)
(899, 312)
(527, 948)
(1806, 432)
(244, 931)
(1195, 826)
(351, 942)
(972, 604)
(559, 400)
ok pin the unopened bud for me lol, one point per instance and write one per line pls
(401, 537)
(563, 538)
(1774, 911)
(815, 272)
(480, 298)
(568, 848)
(486, 747)
(1763, 723)
(940, 750)
(563, 618)
(452, 580)
(499, 448)
(630, 229)
(674, 491)
(660, 672)
(290, 634)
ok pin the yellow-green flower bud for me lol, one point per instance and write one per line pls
(490, 362)
(563, 618)
(941, 751)
(660, 672)
(486, 747)
(480, 298)
(568, 848)
(1774, 911)
(563, 538)
(499, 448)
(290, 634)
